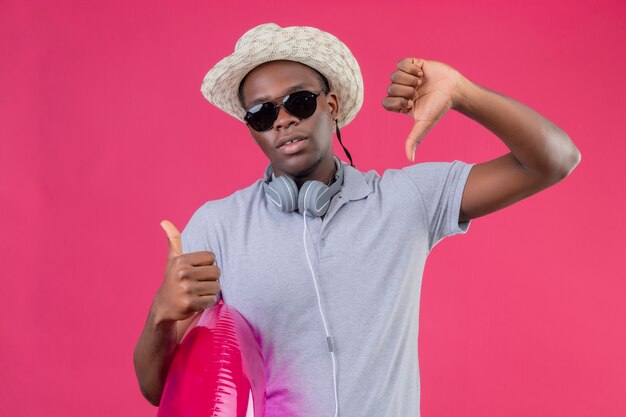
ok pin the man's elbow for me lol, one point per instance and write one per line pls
(570, 161)
(150, 395)
(568, 158)
(151, 399)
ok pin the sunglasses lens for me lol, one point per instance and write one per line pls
(301, 104)
(262, 116)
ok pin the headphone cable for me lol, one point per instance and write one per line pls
(319, 304)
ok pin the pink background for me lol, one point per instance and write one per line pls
(104, 133)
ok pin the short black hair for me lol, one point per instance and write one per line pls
(318, 75)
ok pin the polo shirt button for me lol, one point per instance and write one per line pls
(322, 243)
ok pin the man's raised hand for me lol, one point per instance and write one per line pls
(190, 283)
(425, 90)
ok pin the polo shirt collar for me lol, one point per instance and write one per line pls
(354, 185)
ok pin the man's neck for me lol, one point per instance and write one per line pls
(325, 173)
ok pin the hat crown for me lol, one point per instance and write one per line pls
(256, 32)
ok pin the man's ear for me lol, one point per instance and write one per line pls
(333, 104)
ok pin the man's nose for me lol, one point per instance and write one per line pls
(284, 119)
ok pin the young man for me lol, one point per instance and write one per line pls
(319, 256)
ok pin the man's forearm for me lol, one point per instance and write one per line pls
(537, 143)
(153, 356)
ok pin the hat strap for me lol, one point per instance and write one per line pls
(344, 148)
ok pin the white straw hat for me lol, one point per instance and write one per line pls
(307, 45)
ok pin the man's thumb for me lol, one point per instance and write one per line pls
(173, 236)
(415, 137)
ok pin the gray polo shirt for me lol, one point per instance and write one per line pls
(368, 254)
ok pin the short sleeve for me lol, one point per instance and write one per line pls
(195, 234)
(440, 186)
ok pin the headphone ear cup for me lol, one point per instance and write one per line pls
(283, 192)
(314, 198)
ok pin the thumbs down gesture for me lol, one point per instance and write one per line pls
(424, 90)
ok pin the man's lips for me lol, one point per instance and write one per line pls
(292, 138)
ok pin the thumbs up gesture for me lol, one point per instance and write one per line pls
(190, 283)
(425, 90)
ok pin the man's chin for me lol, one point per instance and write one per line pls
(302, 168)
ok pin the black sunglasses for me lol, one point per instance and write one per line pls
(301, 104)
